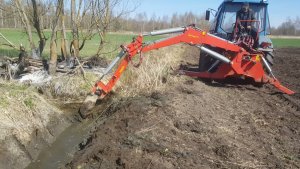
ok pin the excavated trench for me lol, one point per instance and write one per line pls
(26, 133)
(39, 119)
(61, 150)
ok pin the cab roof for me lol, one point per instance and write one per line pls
(250, 1)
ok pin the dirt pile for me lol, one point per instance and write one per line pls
(97, 61)
(286, 68)
(196, 125)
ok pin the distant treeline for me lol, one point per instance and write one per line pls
(290, 27)
(137, 23)
(140, 22)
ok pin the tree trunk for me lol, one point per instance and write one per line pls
(64, 41)
(37, 26)
(15, 21)
(53, 52)
(1, 18)
(64, 51)
(102, 41)
(27, 25)
(42, 22)
(75, 42)
(53, 57)
(75, 47)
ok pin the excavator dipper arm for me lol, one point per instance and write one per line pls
(240, 62)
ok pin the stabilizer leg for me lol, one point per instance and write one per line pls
(278, 85)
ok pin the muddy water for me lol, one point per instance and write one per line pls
(62, 150)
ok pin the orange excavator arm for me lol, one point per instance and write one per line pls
(240, 62)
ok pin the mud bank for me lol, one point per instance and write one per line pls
(29, 123)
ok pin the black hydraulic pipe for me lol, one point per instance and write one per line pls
(215, 55)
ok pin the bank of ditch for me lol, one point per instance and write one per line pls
(28, 123)
(33, 115)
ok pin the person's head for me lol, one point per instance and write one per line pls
(246, 6)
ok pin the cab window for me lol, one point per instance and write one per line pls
(228, 18)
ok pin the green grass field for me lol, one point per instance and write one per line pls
(279, 43)
(114, 41)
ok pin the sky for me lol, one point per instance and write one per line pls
(279, 10)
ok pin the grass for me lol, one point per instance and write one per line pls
(4, 103)
(12, 94)
(114, 40)
(29, 102)
(280, 43)
(70, 86)
(153, 74)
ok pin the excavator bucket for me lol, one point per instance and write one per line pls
(100, 89)
(87, 105)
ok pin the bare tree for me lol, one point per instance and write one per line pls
(104, 18)
(287, 28)
(84, 21)
(24, 18)
(30, 14)
(53, 52)
(103, 22)
(64, 41)
(74, 48)
(37, 25)
(297, 23)
(15, 19)
(86, 18)
(1, 14)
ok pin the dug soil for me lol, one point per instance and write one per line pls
(194, 124)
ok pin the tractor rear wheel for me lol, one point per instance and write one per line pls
(270, 58)
(204, 62)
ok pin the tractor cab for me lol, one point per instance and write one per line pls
(224, 24)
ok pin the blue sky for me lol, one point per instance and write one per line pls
(279, 10)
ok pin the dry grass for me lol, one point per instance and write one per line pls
(12, 92)
(19, 104)
(153, 74)
(27, 120)
(66, 87)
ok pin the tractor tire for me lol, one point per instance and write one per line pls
(270, 58)
(205, 62)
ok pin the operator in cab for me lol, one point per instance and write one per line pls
(244, 20)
